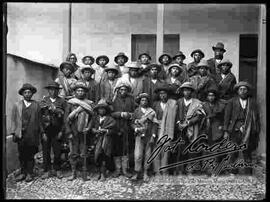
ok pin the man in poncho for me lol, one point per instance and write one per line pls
(78, 115)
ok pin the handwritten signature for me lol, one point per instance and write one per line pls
(165, 144)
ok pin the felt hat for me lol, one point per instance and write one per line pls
(102, 103)
(102, 56)
(91, 58)
(242, 83)
(203, 63)
(80, 84)
(27, 86)
(179, 53)
(220, 46)
(133, 65)
(224, 61)
(175, 65)
(53, 84)
(197, 51)
(83, 68)
(67, 64)
(121, 54)
(139, 57)
(142, 95)
(112, 68)
(160, 58)
(187, 85)
(163, 87)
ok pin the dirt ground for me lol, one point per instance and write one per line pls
(158, 188)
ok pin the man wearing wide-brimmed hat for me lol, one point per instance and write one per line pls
(144, 125)
(26, 130)
(164, 60)
(123, 106)
(179, 58)
(107, 86)
(91, 84)
(219, 51)
(104, 128)
(65, 80)
(225, 79)
(202, 81)
(151, 82)
(88, 60)
(134, 78)
(78, 115)
(242, 122)
(101, 62)
(174, 79)
(52, 110)
(165, 109)
(144, 60)
(121, 59)
(189, 115)
(197, 55)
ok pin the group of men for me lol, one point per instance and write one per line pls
(126, 109)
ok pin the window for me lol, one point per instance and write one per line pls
(147, 43)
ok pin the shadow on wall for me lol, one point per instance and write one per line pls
(19, 71)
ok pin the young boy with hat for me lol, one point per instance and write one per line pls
(189, 115)
(88, 60)
(144, 125)
(164, 107)
(103, 127)
(100, 74)
(197, 55)
(174, 79)
(65, 80)
(26, 128)
(91, 84)
(179, 58)
(121, 59)
(225, 80)
(78, 115)
(144, 60)
(165, 60)
(202, 81)
(52, 110)
(107, 86)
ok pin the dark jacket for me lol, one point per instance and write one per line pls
(225, 86)
(53, 118)
(213, 66)
(149, 88)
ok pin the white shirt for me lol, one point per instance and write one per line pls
(173, 79)
(144, 66)
(143, 110)
(154, 80)
(163, 105)
(223, 76)
(132, 80)
(111, 82)
(243, 103)
(52, 99)
(27, 104)
(218, 60)
(100, 120)
(187, 102)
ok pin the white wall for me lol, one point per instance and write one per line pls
(35, 31)
(107, 28)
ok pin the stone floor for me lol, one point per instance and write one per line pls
(159, 188)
